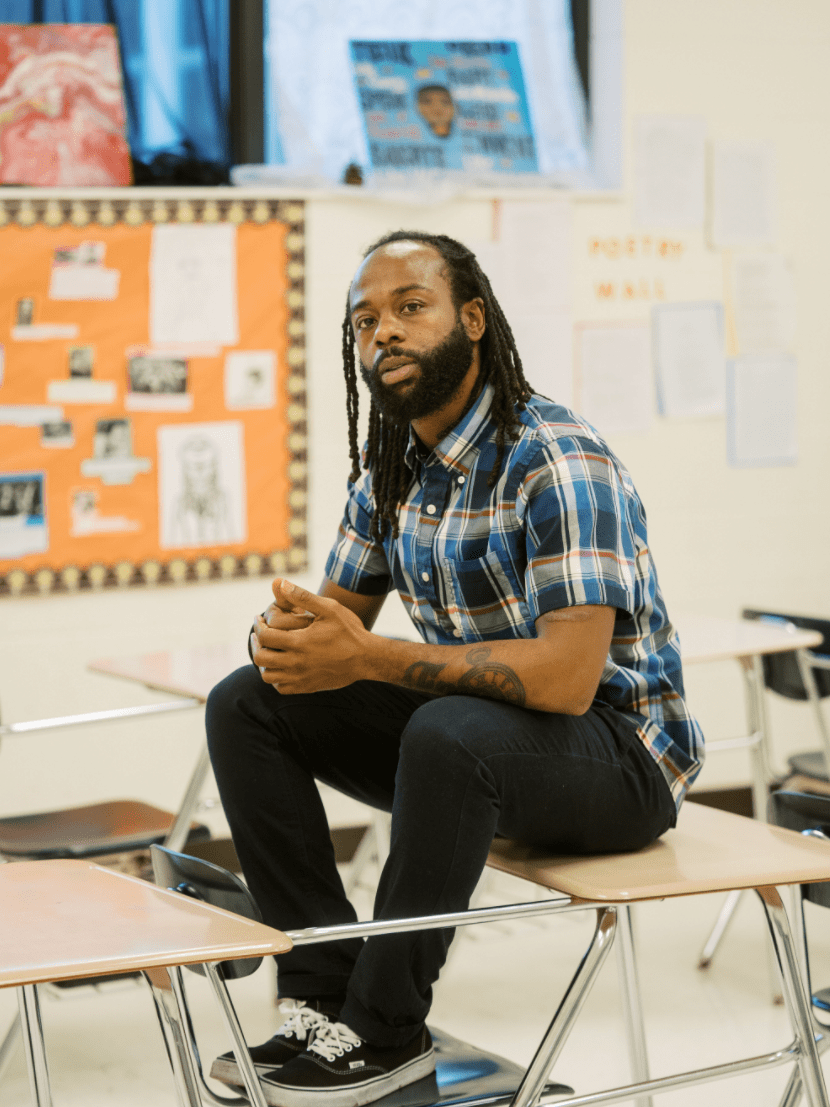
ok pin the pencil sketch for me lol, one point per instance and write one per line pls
(201, 485)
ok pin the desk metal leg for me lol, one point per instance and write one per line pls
(633, 1011)
(30, 1023)
(752, 671)
(797, 1002)
(173, 1032)
(551, 1045)
(177, 835)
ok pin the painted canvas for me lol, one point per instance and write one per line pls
(62, 115)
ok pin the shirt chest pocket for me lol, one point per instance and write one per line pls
(484, 600)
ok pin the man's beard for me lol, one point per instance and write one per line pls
(442, 370)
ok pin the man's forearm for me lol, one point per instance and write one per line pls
(518, 671)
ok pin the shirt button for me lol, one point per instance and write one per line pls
(456, 634)
(424, 576)
(461, 480)
(431, 509)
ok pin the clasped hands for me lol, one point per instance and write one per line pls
(308, 643)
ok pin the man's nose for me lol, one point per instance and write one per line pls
(388, 331)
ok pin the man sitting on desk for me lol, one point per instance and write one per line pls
(545, 702)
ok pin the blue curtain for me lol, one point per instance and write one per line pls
(174, 57)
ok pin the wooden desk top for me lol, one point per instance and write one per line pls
(62, 920)
(185, 672)
(193, 671)
(711, 638)
(708, 851)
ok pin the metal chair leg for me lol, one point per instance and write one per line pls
(632, 1007)
(795, 997)
(719, 929)
(32, 1027)
(9, 1044)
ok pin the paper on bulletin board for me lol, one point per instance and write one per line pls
(689, 359)
(762, 427)
(193, 284)
(669, 171)
(615, 392)
(743, 194)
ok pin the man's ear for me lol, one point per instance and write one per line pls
(472, 319)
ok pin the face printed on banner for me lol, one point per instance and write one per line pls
(435, 106)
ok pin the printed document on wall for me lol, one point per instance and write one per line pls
(193, 285)
(615, 384)
(669, 171)
(761, 427)
(763, 297)
(689, 358)
(743, 194)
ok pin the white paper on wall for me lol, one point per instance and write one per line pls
(193, 284)
(763, 298)
(762, 411)
(689, 360)
(202, 497)
(530, 269)
(669, 171)
(615, 391)
(743, 194)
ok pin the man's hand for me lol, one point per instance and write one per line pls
(308, 643)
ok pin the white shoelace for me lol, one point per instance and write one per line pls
(333, 1039)
(301, 1021)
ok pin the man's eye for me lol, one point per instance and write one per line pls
(362, 324)
(411, 306)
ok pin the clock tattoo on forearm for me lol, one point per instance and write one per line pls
(491, 679)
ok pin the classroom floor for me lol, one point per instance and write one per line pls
(498, 991)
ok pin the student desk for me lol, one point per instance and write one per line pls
(193, 671)
(65, 920)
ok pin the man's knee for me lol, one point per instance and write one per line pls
(225, 706)
(448, 732)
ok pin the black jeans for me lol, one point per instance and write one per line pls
(454, 771)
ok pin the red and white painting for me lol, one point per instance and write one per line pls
(62, 116)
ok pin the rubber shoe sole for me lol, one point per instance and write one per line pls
(353, 1095)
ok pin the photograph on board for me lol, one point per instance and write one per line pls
(23, 527)
(250, 379)
(58, 434)
(157, 374)
(81, 361)
(201, 485)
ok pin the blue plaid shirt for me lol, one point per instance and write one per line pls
(562, 526)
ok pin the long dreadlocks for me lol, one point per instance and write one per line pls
(501, 365)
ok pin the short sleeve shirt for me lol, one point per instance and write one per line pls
(561, 526)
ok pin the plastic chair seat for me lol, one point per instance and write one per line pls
(78, 832)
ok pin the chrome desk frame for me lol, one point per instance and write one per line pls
(531, 1092)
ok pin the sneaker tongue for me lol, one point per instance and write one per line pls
(333, 1039)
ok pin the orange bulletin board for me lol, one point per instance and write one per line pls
(152, 398)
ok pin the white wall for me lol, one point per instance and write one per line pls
(723, 538)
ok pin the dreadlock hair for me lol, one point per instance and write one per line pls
(501, 365)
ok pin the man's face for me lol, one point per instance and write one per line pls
(437, 109)
(414, 348)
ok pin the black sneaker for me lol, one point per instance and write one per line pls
(339, 1069)
(289, 1041)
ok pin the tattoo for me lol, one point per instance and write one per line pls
(491, 679)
